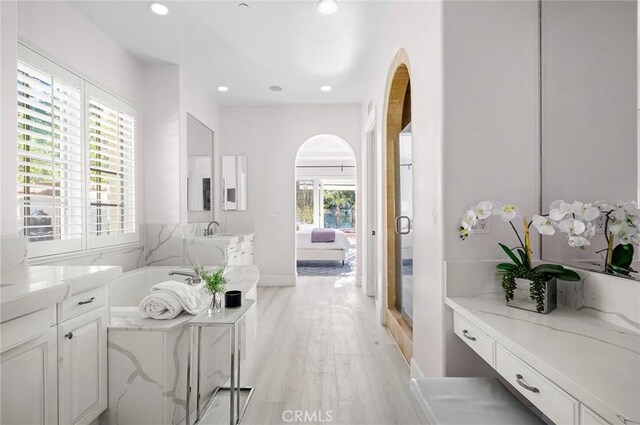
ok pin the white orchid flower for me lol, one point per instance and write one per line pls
(635, 239)
(572, 227)
(585, 212)
(559, 210)
(623, 231)
(507, 212)
(590, 230)
(578, 241)
(483, 209)
(543, 224)
(465, 233)
(469, 219)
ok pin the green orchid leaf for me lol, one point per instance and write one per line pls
(548, 267)
(511, 255)
(568, 275)
(523, 256)
(622, 257)
(506, 266)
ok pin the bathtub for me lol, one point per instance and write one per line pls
(148, 358)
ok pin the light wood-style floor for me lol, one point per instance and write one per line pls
(321, 349)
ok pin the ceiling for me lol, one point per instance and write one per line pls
(287, 43)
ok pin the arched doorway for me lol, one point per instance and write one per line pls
(325, 208)
(399, 205)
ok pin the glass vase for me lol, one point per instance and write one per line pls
(216, 303)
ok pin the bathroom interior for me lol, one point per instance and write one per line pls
(151, 266)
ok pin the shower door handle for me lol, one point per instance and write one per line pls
(399, 230)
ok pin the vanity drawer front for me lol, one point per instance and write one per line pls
(231, 248)
(557, 405)
(588, 417)
(82, 302)
(474, 338)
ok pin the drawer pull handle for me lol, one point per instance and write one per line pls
(69, 335)
(89, 301)
(525, 386)
(465, 333)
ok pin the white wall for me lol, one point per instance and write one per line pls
(198, 102)
(59, 32)
(474, 87)
(417, 27)
(162, 143)
(270, 137)
(491, 129)
(8, 113)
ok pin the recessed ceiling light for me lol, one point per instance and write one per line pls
(325, 88)
(327, 7)
(158, 8)
(223, 88)
(275, 88)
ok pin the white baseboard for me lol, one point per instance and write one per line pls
(416, 372)
(277, 280)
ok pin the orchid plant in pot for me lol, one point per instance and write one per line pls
(525, 286)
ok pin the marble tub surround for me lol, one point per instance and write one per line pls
(163, 244)
(596, 362)
(31, 288)
(147, 358)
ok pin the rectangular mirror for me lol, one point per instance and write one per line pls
(589, 110)
(200, 170)
(199, 183)
(234, 183)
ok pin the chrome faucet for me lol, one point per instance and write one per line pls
(209, 231)
(191, 277)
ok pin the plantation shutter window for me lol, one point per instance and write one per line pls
(111, 169)
(50, 158)
(75, 160)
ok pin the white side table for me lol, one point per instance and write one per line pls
(229, 318)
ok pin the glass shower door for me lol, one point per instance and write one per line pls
(404, 218)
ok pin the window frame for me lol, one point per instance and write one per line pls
(86, 243)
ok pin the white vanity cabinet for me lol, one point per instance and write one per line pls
(28, 381)
(82, 367)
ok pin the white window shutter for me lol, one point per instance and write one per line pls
(50, 162)
(111, 171)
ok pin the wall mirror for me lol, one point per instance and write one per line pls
(200, 170)
(199, 183)
(234, 183)
(589, 110)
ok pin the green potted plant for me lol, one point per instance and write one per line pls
(525, 286)
(214, 283)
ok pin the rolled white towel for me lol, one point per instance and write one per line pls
(168, 299)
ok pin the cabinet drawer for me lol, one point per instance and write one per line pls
(80, 303)
(474, 338)
(588, 417)
(557, 405)
(232, 248)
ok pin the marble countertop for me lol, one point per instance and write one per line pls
(31, 288)
(593, 360)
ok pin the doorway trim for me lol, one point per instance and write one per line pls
(398, 80)
(372, 236)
